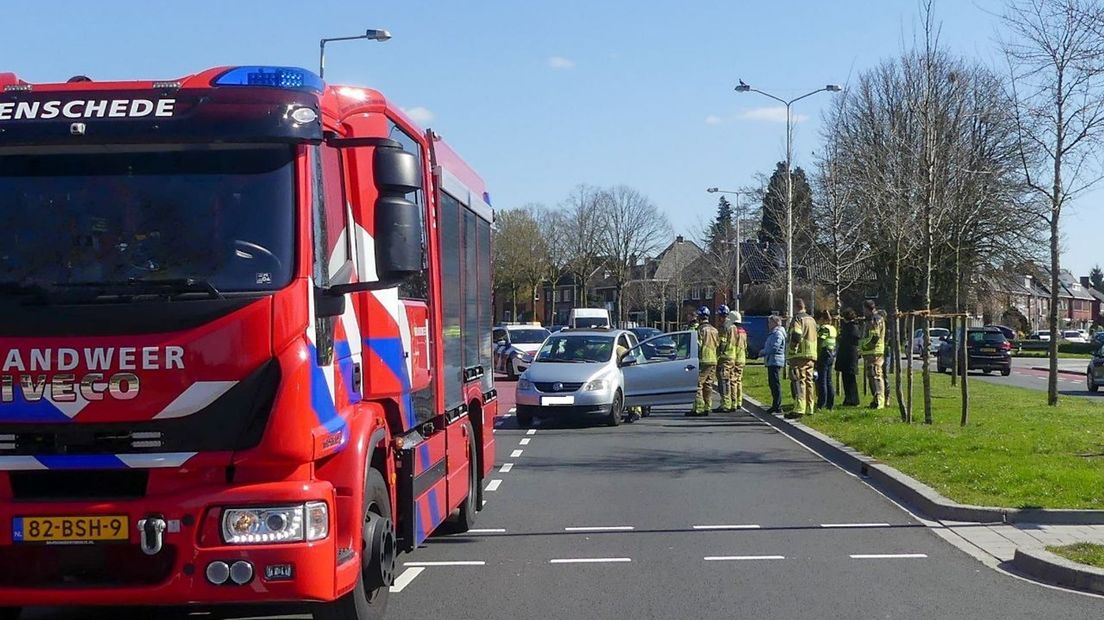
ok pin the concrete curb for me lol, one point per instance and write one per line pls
(912, 492)
(1061, 371)
(1040, 564)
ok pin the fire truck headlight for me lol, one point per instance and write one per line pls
(261, 525)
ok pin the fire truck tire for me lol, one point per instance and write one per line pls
(368, 600)
(466, 520)
(9, 613)
(617, 409)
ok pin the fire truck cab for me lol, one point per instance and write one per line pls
(246, 341)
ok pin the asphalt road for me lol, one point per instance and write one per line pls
(1024, 375)
(675, 517)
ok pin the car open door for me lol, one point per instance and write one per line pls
(662, 370)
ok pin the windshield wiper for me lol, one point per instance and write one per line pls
(178, 285)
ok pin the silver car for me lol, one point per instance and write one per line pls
(602, 372)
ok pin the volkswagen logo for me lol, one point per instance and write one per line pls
(556, 387)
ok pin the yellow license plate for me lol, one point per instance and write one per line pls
(99, 528)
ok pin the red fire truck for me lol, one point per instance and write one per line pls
(245, 341)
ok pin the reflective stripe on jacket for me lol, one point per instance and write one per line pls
(873, 340)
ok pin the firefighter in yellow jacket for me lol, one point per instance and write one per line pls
(731, 359)
(708, 341)
(872, 347)
(801, 355)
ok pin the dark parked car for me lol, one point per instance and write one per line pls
(1094, 375)
(986, 348)
(661, 347)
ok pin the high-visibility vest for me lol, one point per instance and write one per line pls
(827, 336)
(873, 340)
(741, 346)
(708, 339)
(803, 338)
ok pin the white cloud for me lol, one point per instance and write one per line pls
(713, 119)
(560, 63)
(421, 115)
(772, 114)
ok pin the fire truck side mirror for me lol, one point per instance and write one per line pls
(399, 252)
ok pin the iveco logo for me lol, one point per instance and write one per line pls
(556, 387)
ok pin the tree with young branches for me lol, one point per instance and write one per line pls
(633, 228)
(583, 221)
(1055, 53)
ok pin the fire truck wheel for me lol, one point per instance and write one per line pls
(468, 509)
(9, 613)
(617, 409)
(368, 600)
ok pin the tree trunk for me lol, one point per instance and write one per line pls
(513, 305)
(965, 366)
(911, 329)
(925, 367)
(958, 308)
(896, 342)
(1052, 378)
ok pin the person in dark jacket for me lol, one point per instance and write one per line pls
(847, 357)
(774, 357)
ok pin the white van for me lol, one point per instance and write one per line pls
(583, 318)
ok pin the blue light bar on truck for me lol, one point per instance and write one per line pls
(292, 78)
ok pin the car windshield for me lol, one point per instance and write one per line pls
(585, 322)
(938, 332)
(576, 348)
(225, 215)
(528, 336)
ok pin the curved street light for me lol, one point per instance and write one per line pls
(370, 35)
(743, 87)
(739, 235)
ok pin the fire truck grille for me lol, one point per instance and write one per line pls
(59, 567)
(78, 484)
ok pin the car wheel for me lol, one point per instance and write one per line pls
(988, 371)
(368, 600)
(941, 368)
(524, 417)
(617, 409)
(1005, 372)
(1090, 382)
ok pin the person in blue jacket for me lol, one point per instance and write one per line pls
(774, 357)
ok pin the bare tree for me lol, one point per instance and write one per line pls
(633, 228)
(516, 255)
(582, 222)
(1055, 53)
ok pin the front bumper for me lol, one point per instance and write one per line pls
(121, 574)
(582, 402)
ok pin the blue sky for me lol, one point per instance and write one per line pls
(542, 95)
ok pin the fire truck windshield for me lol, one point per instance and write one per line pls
(220, 214)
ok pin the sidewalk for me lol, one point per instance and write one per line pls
(1001, 541)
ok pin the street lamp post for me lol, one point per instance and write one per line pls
(739, 236)
(371, 35)
(746, 88)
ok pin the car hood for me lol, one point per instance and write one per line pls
(545, 372)
(526, 348)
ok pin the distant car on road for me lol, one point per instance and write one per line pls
(936, 334)
(514, 346)
(1008, 332)
(1075, 335)
(578, 372)
(586, 318)
(986, 348)
(1094, 375)
(1042, 334)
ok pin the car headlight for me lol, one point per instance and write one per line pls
(524, 384)
(275, 524)
(595, 384)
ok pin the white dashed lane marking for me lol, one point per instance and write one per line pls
(406, 577)
(516, 453)
(589, 560)
(740, 558)
(524, 442)
(450, 563)
(832, 525)
(726, 527)
(494, 484)
(600, 528)
(887, 556)
(506, 467)
(531, 431)
(490, 530)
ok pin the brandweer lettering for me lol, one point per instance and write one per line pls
(86, 108)
(65, 385)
